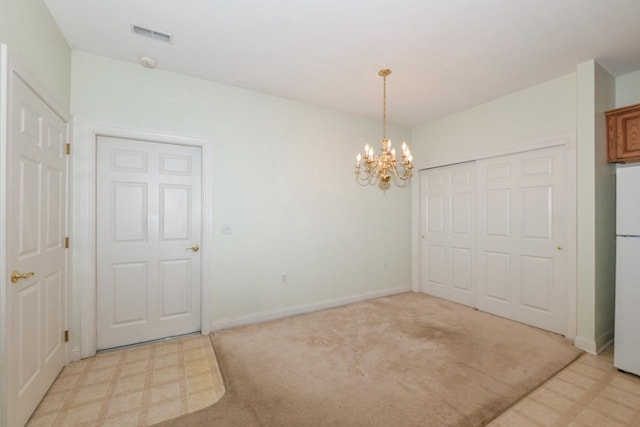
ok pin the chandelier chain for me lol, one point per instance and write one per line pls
(384, 106)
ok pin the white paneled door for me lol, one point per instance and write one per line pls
(521, 233)
(149, 229)
(493, 233)
(36, 226)
(448, 238)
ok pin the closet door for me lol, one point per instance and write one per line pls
(521, 266)
(447, 199)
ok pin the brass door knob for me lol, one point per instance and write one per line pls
(194, 248)
(15, 276)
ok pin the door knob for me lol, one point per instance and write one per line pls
(15, 276)
(194, 248)
(559, 247)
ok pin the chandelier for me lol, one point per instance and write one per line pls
(380, 168)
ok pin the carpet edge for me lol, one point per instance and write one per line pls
(540, 384)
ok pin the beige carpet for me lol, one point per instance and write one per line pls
(406, 360)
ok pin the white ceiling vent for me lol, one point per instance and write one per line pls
(157, 35)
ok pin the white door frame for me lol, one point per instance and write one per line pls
(9, 65)
(84, 205)
(565, 139)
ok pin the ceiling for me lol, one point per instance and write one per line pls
(446, 55)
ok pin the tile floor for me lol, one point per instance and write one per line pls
(136, 386)
(589, 392)
(144, 385)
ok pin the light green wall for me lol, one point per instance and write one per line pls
(521, 117)
(586, 203)
(27, 28)
(283, 177)
(596, 208)
(628, 89)
(605, 226)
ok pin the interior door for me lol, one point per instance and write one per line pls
(36, 226)
(448, 235)
(521, 230)
(148, 232)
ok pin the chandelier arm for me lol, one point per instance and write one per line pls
(366, 181)
(405, 175)
(362, 177)
(404, 183)
(362, 183)
(369, 177)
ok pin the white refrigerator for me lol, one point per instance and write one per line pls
(627, 328)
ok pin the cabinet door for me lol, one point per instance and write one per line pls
(628, 135)
(623, 134)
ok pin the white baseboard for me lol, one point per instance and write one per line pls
(597, 345)
(604, 340)
(302, 309)
(76, 354)
(585, 344)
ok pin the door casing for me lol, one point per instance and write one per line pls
(84, 206)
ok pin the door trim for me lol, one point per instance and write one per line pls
(565, 139)
(10, 66)
(84, 206)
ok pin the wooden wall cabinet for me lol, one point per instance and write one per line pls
(623, 134)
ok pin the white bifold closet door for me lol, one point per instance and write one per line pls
(493, 232)
(448, 238)
(521, 232)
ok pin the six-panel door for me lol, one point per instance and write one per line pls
(37, 210)
(521, 232)
(448, 238)
(149, 225)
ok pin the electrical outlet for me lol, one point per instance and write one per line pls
(226, 229)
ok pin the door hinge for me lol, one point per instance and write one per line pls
(66, 243)
(66, 336)
(68, 148)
